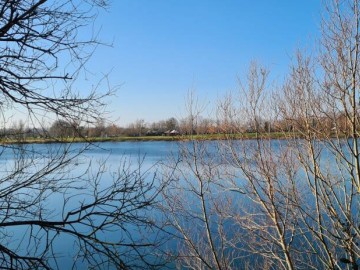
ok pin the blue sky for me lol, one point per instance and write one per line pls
(163, 48)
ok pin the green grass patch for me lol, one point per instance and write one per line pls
(238, 136)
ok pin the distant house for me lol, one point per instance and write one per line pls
(173, 132)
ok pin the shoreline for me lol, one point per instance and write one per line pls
(202, 137)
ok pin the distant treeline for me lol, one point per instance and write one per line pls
(171, 127)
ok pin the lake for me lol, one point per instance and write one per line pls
(194, 171)
(110, 158)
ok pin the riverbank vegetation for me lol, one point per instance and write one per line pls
(200, 137)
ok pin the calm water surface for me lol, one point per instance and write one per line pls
(111, 155)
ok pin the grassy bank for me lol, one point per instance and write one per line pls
(274, 135)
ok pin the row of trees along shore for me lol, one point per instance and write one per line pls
(229, 204)
(185, 126)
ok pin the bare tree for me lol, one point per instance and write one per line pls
(192, 206)
(62, 129)
(327, 117)
(289, 204)
(46, 197)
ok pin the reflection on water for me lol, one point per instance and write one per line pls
(111, 158)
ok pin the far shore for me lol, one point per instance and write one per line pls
(200, 137)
